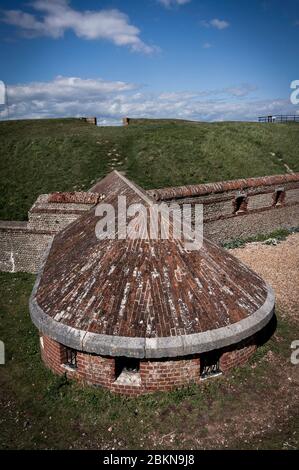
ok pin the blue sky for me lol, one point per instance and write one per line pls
(191, 59)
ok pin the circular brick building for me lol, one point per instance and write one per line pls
(136, 316)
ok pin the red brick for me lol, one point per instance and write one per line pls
(155, 375)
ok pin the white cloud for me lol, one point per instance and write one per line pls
(169, 3)
(54, 18)
(219, 24)
(241, 90)
(112, 100)
(67, 89)
(215, 23)
(177, 96)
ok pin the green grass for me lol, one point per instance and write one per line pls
(41, 410)
(40, 156)
(271, 238)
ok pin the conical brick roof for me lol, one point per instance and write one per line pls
(144, 298)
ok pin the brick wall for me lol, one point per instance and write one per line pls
(22, 249)
(158, 375)
(52, 354)
(263, 213)
(54, 212)
(169, 374)
(238, 355)
(22, 244)
(90, 120)
(51, 220)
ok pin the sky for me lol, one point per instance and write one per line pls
(210, 60)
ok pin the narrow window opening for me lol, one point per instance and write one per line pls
(240, 204)
(70, 358)
(210, 365)
(127, 371)
(279, 197)
(126, 364)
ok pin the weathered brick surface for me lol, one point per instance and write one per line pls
(90, 120)
(158, 375)
(221, 222)
(169, 374)
(56, 211)
(75, 197)
(52, 355)
(252, 184)
(237, 356)
(22, 249)
(22, 244)
(126, 121)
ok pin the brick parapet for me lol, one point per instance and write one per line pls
(271, 203)
(222, 186)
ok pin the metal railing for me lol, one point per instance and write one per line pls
(279, 118)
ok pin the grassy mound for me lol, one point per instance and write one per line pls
(40, 156)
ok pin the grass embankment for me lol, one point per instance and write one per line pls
(254, 407)
(40, 156)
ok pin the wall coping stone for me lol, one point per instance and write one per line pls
(221, 186)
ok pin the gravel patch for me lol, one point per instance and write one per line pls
(279, 266)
